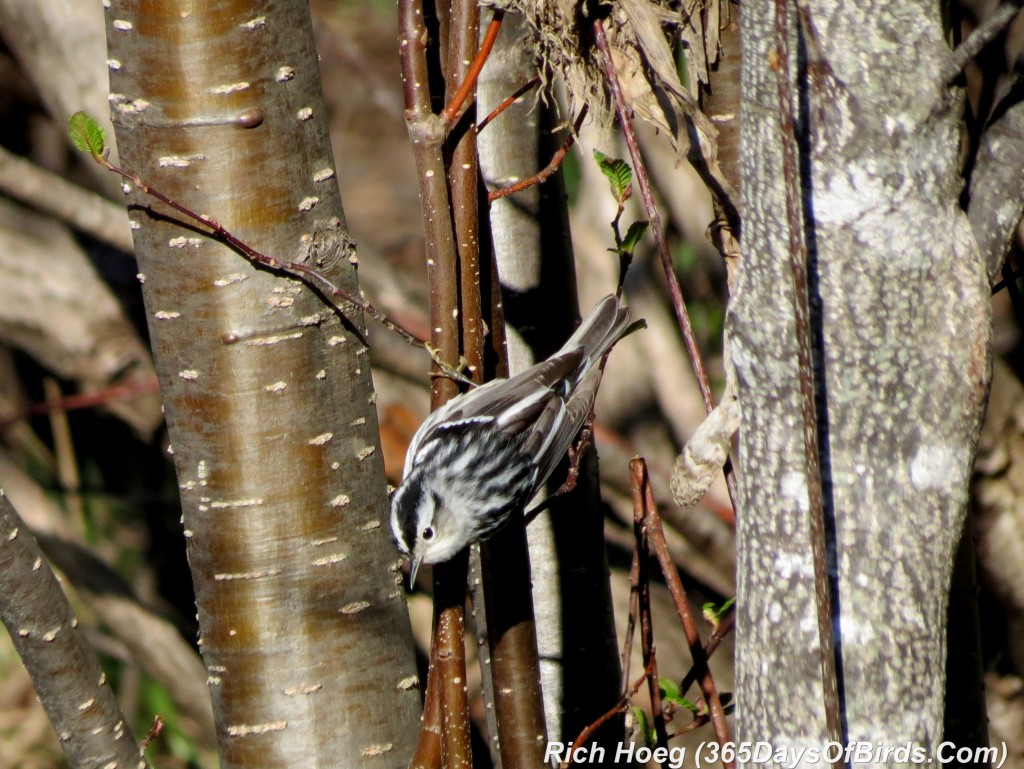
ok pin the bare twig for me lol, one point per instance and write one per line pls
(992, 26)
(124, 391)
(505, 563)
(448, 662)
(447, 676)
(455, 107)
(155, 730)
(620, 707)
(641, 526)
(657, 229)
(545, 173)
(428, 747)
(634, 609)
(521, 91)
(654, 218)
(304, 272)
(723, 629)
(802, 318)
(641, 481)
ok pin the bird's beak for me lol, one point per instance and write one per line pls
(414, 567)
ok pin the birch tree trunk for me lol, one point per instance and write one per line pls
(268, 395)
(901, 297)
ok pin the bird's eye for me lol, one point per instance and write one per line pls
(428, 533)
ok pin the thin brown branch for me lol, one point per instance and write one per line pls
(505, 565)
(641, 526)
(798, 263)
(634, 609)
(413, 59)
(711, 645)
(427, 131)
(464, 180)
(454, 110)
(620, 707)
(990, 28)
(448, 661)
(428, 747)
(658, 230)
(155, 730)
(545, 173)
(697, 722)
(125, 391)
(656, 534)
(521, 91)
(304, 272)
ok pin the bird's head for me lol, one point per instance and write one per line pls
(422, 525)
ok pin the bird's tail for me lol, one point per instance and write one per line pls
(605, 325)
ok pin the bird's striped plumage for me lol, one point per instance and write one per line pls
(479, 459)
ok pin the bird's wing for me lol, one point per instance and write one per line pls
(562, 429)
(535, 395)
(508, 403)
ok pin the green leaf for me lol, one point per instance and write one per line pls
(634, 235)
(86, 134)
(713, 614)
(618, 173)
(669, 688)
(671, 692)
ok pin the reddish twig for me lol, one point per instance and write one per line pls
(544, 174)
(588, 731)
(504, 561)
(124, 391)
(428, 746)
(699, 720)
(634, 609)
(641, 533)
(447, 675)
(525, 88)
(720, 632)
(658, 230)
(455, 107)
(305, 273)
(640, 479)
(572, 477)
(154, 731)
(798, 257)
(644, 183)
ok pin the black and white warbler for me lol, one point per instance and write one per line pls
(482, 456)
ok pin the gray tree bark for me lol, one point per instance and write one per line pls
(65, 671)
(900, 290)
(268, 395)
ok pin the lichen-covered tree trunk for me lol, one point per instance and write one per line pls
(900, 291)
(267, 390)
